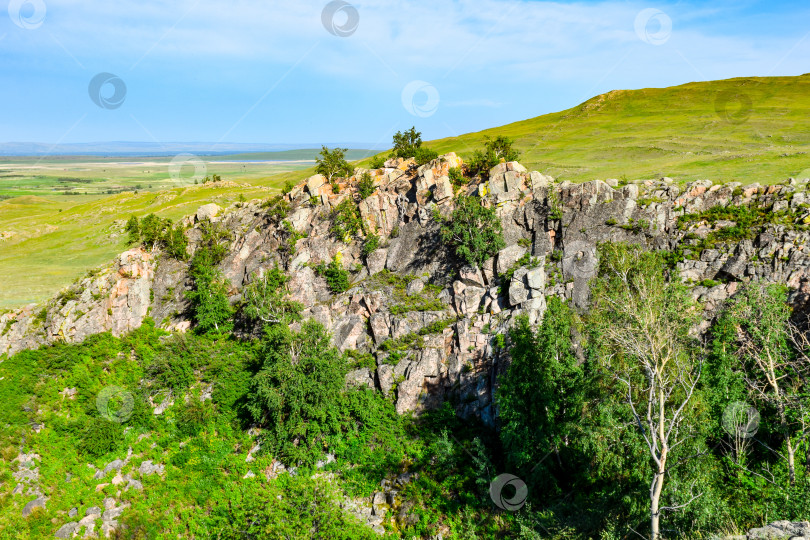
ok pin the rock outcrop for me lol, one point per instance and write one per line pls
(429, 324)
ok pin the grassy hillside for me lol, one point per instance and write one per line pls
(48, 243)
(762, 135)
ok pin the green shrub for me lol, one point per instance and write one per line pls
(296, 392)
(424, 155)
(365, 188)
(266, 298)
(370, 245)
(209, 296)
(277, 208)
(100, 437)
(337, 279)
(154, 232)
(377, 162)
(406, 143)
(473, 231)
(495, 150)
(457, 177)
(346, 221)
(193, 418)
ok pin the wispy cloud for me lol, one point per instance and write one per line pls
(195, 66)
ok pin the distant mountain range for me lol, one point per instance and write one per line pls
(119, 148)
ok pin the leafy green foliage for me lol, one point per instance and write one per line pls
(408, 144)
(542, 396)
(346, 221)
(265, 298)
(332, 164)
(377, 162)
(473, 231)
(154, 232)
(100, 437)
(495, 150)
(289, 238)
(337, 278)
(365, 188)
(209, 298)
(296, 391)
(277, 208)
(424, 155)
(370, 245)
(285, 510)
(456, 175)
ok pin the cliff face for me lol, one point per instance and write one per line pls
(429, 325)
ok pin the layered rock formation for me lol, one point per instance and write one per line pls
(431, 325)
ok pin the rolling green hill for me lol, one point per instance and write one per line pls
(746, 129)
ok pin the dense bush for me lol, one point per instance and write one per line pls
(365, 188)
(296, 391)
(473, 231)
(408, 144)
(370, 245)
(495, 150)
(569, 430)
(100, 437)
(154, 232)
(377, 162)
(337, 278)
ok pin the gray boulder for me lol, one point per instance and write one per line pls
(39, 502)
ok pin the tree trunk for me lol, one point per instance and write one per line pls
(655, 498)
(791, 461)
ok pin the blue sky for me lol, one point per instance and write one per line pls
(272, 72)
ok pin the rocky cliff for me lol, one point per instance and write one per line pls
(429, 325)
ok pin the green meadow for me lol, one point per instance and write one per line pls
(746, 129)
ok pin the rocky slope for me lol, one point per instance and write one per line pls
(431, 326)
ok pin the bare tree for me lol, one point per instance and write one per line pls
(645, 323)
